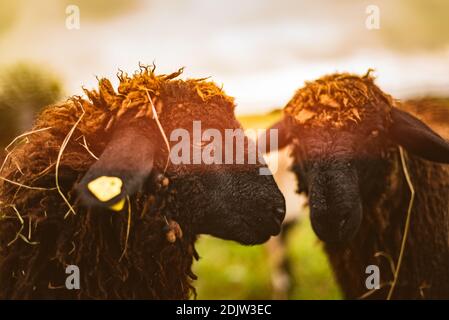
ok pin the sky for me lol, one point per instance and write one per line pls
(260, 51)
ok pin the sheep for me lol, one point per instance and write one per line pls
(91, 186)
(355, 149)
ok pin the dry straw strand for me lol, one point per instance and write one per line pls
(25, 186)
(388, 257)
(58, 161)
(407, 222)
(161, 129)
(370, 292)
(9, 152)
(22, 225)
(85, 146)
(33, 243)
(128, 228)
(24, 135)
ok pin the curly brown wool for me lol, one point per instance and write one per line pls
(337, 100)
(35, 253)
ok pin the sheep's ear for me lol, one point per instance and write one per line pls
(283, 138)
(417, 137)
(121, 170)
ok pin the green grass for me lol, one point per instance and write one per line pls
(228, 270)
(310, 265)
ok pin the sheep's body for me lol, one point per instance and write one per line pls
(153, 268)
(385, 195)
(93, 240)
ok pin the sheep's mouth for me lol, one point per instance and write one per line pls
(242, 229)
(254, 232)
(337, 227)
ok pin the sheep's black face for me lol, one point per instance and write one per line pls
(229, 201)
(333, 162)
(325, 164)
(346, 134)
(232, 203)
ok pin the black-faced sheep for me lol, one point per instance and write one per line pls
(354, 149)
(125, 219)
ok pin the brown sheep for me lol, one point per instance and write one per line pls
(353, 148)
(90, 187)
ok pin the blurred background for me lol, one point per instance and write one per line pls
(261, 51)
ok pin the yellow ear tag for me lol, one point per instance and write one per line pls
(118, 206)
(105, 188)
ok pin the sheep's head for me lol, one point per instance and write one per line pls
(340, 126)
(230, 201)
